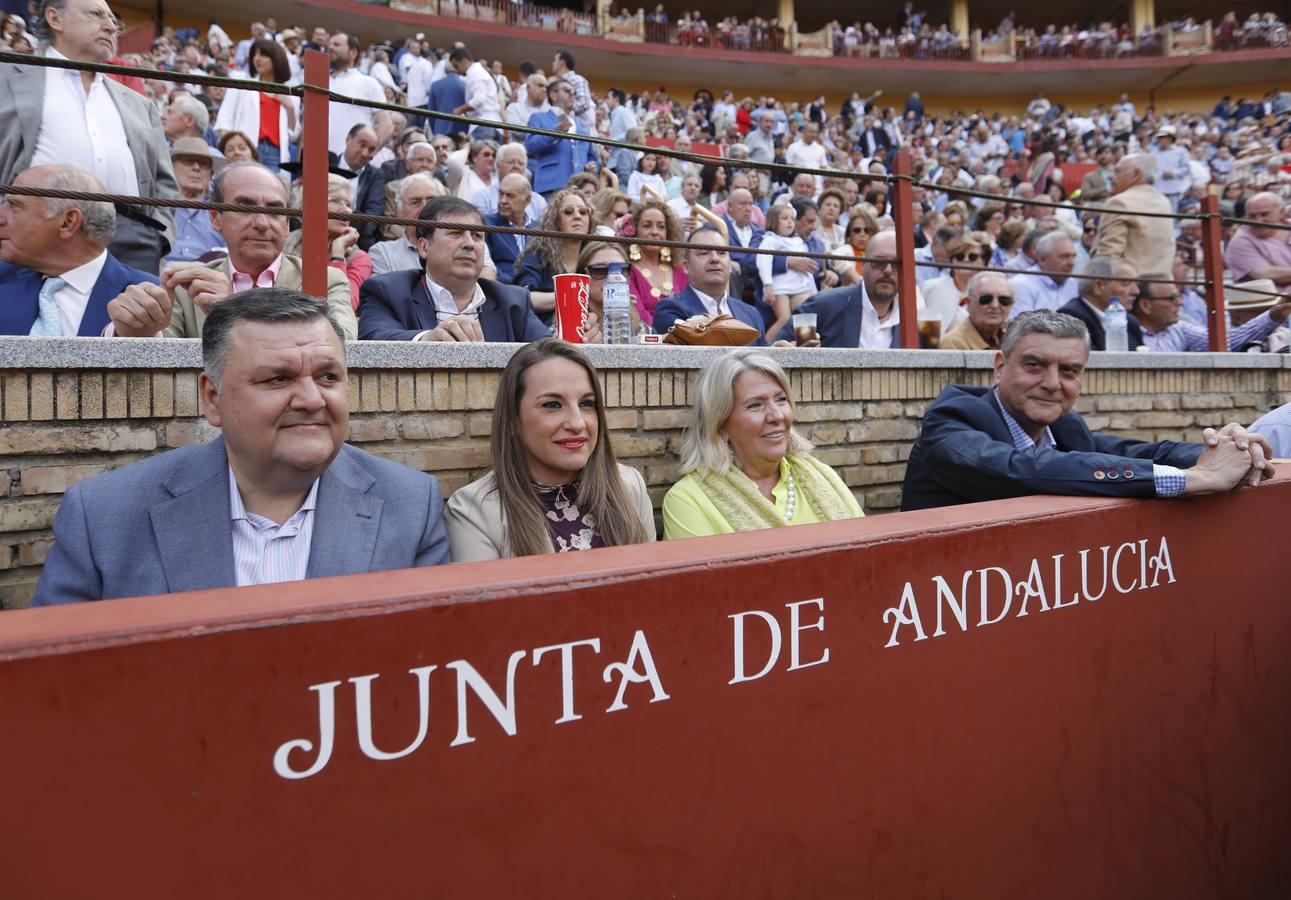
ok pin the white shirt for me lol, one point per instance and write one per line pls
(713, 307)
(265, 552)
(518, 113)
(807, 156)
(482, 93)
(74, 296)
(445, 306)
(341, 117)
(876, 333)
(418, 80)
(84, 130)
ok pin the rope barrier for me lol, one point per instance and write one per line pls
(1256, 223)
(269, 87)
(1054, 204)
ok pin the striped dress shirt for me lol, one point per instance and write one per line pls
(265, 552)
(1185, 337)
(1168, 481)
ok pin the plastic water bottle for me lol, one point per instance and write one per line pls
(616, 305)
(1116, 324)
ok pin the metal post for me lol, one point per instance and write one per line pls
(313, 250)
(1213, 259)
(902, 204)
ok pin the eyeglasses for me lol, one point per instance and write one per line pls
(1170, 298)
(970, 257)
(882, 264)
(1091, 229)
(1002, 299)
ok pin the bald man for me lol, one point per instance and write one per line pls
(1261, 251)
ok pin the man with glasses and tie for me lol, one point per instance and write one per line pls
(56, 274)
(989, 297)
(448, 301)
(1022, 437)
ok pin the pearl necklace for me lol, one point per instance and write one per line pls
(791, 498)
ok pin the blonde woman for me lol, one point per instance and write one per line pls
(555, 485)
(743, 465)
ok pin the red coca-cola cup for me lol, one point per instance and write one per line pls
(572, 307)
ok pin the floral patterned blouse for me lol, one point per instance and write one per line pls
(569, 529)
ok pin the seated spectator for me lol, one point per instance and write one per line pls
(343, 238)
(866, 315)
(1104, 279)
(256, 242)
(862, 225)
(646, 175)
(1021, 437)
(514, 194)
(1259, 251)
(555, 160)
(989, 297)
(743, 231)
(743, 465)
(1275, 426)
(595, 262)
(186, 116)
(545, 258)
(1051, 286)
(272, 118)
(269, 500)
(480, 172)
(237, 147)
(555, 486)
(512, 160)
(415, 191)
(655, 273)
(368, 189)
(419, 158)
(195, 164)
(787, 289)
(1157, 310)
(708, 276)
(608, 207)
(935, 255)
(448, 301)
(56, 274)
(944, 295)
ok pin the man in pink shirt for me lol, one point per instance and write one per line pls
(1261, 252)
(255, 259)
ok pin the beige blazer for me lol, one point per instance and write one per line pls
(1145, 243)
(186, 319)
(964, 336)
(476, 529)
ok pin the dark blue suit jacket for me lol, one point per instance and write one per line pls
(687, 304)
(748, 261)
(965, 454)
(1097, 336)
(446, 95)
(554, 161)
(20, 296)
(372, 202)
(838, 318)
(396, 307)
(503, 248)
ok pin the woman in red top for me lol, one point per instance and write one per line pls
(269, 119)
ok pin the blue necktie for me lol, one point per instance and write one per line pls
(48, 322)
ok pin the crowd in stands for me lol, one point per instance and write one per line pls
(280, 482)
(229, 144)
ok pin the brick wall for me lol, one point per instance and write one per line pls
(58, 427)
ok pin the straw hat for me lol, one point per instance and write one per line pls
(1165, 131)
(1245, 296)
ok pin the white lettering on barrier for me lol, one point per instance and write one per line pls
(1115, 565)
(739, 656)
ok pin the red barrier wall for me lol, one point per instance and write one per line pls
(1133, 745)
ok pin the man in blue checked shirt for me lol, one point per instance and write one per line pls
(1158, 308)
(1021, 437)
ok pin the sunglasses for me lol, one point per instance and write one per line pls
(970, 257)
(1001, 299)
(598, 271)
(870, 231)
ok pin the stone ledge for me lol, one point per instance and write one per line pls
(69, 354)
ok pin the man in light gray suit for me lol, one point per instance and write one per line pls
(56, 116)
(278, 497)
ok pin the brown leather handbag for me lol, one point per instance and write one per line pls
(717, 331)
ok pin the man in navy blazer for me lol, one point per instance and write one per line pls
(70, 246)
(554, 161)
(708, 273)
(1021, 436)
(448, 301)
(513, 202)
(446, 95)
(865, 315)
(278, 497)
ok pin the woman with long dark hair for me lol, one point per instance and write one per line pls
(269, 118)
(555, 485)
(544, 258)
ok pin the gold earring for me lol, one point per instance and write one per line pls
(665, 255)
(634, 253)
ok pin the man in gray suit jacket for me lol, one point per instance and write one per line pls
(279, 497)
(118, 137)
